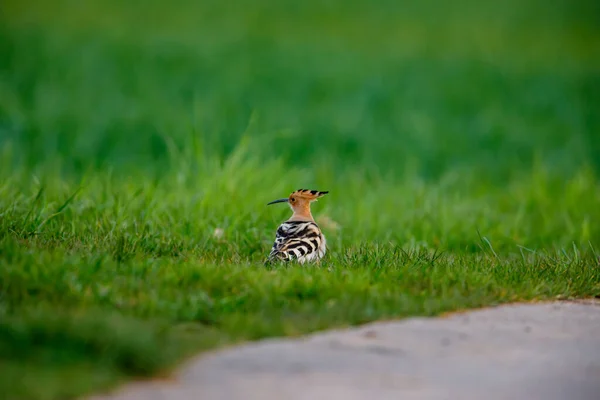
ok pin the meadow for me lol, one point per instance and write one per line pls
(140, 143)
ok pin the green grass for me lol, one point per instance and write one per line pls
(140, 143)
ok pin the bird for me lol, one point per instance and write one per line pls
(299, 238)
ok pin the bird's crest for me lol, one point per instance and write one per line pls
(308, 194)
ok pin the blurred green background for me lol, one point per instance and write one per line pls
(426, 120)
(140, 142)
(437, 87)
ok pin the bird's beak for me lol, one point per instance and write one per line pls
(279, 201)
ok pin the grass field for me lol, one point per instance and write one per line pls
(140, 143)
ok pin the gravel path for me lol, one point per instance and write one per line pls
(532, 351)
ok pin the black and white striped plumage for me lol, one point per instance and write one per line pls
(302, 241)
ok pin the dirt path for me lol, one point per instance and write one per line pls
(532, 351)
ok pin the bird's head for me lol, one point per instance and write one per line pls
(300, 200)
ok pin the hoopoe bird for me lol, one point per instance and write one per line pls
(299, 238)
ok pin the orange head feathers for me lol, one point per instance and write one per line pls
(299, 202)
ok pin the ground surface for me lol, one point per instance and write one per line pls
(141, 140)
(536, 351)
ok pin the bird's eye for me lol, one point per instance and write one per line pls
(292, 199)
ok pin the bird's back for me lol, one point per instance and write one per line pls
(298, 240)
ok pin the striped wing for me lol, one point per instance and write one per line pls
(298, 240)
